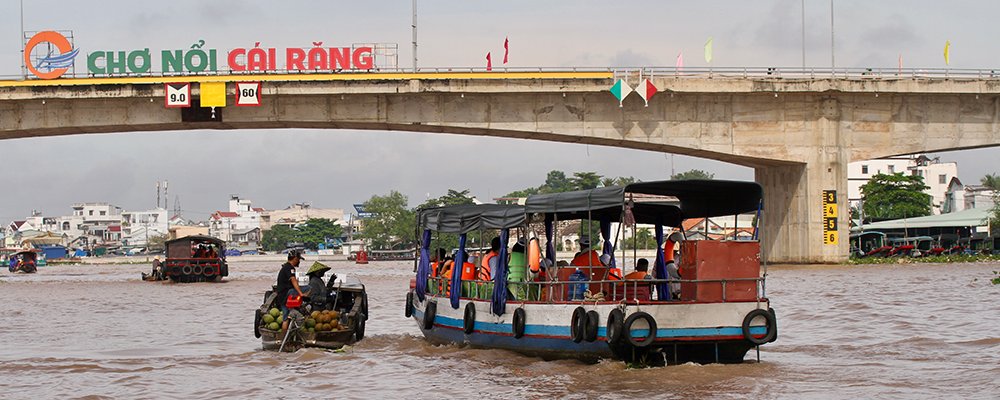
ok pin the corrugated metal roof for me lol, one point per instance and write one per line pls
(964, 218)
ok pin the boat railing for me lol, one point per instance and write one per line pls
(589, 291)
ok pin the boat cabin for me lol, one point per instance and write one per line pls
(195, 259)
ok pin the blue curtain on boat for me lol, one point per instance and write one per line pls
(662, 288)
(499, 303)
(424, 265)
(609, 248)
(550, 246)
(456, 272)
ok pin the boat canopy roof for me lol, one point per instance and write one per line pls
(468, 218)
(197, 239)
(695, 199)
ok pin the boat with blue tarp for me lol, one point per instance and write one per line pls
(708, 306)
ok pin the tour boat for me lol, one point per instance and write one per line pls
(716, 312)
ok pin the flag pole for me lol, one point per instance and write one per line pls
(414, 26)
(24, 73)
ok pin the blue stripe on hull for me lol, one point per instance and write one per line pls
(450, 333)
(565, 332)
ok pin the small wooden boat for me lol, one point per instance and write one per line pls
(347, 304)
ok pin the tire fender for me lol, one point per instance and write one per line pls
(408, 312)
(616, 324)
(359, 326)
(430, 311)
(256, 323)
(577, 324)
(517, 324)
(469, 319)
(593, 321)
(769, 322)
(640, 342)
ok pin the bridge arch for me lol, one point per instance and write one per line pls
(798, 135)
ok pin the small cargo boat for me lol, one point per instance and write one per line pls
(195, 259)
(332, 324)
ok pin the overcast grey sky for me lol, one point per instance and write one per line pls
(337, 168)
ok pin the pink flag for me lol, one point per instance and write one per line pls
(489, 62)
(505, 49)
(680, 61)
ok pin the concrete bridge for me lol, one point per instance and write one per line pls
(798, 133)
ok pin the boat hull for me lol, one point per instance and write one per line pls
(699, 332)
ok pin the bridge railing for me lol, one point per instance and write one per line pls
(621, 72)
(806, 73)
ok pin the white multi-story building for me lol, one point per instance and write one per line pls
(937, 176)
(299, 213)
(235, 224)
(139, 226)
(101, 221)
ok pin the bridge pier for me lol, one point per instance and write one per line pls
(793, 225)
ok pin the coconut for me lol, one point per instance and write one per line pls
(310, 323)
(274, 312)
(274, 326)
(314, 314)
(268, 319)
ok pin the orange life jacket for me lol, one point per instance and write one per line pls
(637, 275)
(468, 271)
(434, 269)
(614, 274)
(590, 258)
(485, 272)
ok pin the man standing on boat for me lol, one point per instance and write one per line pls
(288, 284)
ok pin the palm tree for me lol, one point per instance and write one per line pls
(991, 181)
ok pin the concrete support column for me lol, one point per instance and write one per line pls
(793, 194)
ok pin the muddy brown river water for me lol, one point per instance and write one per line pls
(96, 331)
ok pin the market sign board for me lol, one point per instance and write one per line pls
(197, 59)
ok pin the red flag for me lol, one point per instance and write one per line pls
(489, 62)
(505, 49)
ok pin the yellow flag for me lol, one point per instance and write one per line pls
(708, 50)
(947, 52)
(213, 94)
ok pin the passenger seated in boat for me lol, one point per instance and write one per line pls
(437, 262)
(199, 252)
(586, 257)
(490, 261)
(641, 271)
(318, 291)
(211, 253)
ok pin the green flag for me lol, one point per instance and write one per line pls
(708, 51)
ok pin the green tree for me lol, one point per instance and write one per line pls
(895, 196)
(452, 198)
(991, 181)
(277, 238)
(157, 243)
(693, 174)
(391, 225)
(642, 240)
(995, 217)
(317, 230)
(585, 180)
(556, 182)
(522, 193)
